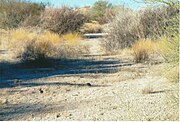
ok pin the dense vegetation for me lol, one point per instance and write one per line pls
(128, 28)
(15, 13)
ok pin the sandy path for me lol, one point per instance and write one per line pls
(114, 95)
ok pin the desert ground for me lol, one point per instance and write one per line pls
(97, 86)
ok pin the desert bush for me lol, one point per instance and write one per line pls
(62, 20)
(91, 27)
(157, 21)
(152, 22)
(32, 48)
(123, 31)
(36, 49)
(143, 49)
(14, 13)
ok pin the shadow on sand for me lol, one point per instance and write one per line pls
(16, 72)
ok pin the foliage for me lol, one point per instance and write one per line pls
(123, 31)
(152, 22)
(62, 20)
(14, 13)
(158, 21)
(167, 2)
(99, 11)
(169, 49)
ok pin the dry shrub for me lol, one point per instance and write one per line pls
(129, 26)
(37, 48)
(92, 27)
(32, 48)
(62, 20)
(123, 31)
(142, 50)
(14, 13)
(156, 21)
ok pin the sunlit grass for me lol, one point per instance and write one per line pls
(29, 44)
(72, 38)
(142, 49)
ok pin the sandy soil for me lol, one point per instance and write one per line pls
(100, 87)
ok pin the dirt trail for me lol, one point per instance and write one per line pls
(104, 88)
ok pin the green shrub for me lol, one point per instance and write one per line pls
(169, 49)
(101, 11)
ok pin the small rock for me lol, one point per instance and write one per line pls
(5, 101)
(102, 114)
(114, 107)
(40, 90)
(16, 81)
(68, 90)
(88, 84)
(57, 116)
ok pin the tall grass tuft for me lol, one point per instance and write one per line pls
(143, 49)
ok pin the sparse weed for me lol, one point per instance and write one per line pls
(169, 49)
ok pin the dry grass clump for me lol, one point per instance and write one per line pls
(72, 38)
(92, 27)
(142, 50)
(32, 48)
(37, 48)
(71, 46)
(62, 20)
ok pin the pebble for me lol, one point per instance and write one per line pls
(88, 84)
(4, 101)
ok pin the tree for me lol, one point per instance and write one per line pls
(99, 10)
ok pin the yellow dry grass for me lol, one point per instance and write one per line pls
(142, 49)
(72, 38)
(92, 27)
(46, 42)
